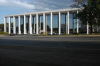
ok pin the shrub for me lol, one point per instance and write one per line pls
(98, 33)
(65, 33)
(75, 33)
(45, 33)
(2, 32)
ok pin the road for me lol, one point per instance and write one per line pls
(72, 42)
(29, 50)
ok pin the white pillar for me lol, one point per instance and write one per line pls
(46, 23)
(77, 24)
(73, 24)
(5, 25)
(36, 23)
(24, 24)
(59, 23)
(43, 22)
(87, 27)
(30, 23)
(51, 23)
(68, 22)
(19, 24)
(14, 25)
(40, 24)
(9, 25)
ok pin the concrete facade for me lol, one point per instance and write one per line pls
(38, 20)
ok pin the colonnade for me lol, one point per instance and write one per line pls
(38, 19)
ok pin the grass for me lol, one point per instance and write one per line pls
(3, 33)
(75, 34)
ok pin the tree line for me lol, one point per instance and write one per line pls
(91, 11)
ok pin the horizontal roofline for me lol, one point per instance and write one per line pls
(60, 10)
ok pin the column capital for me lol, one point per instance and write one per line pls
(67, 11)
(36, 13)
(30, 14)
(8, 16)
(19, 16)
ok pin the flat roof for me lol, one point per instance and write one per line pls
(48, 12)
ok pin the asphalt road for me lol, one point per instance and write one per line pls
(72, 42)
(28, 50)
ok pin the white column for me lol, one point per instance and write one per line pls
(68, 22)
(9, 25)
(14, 25)
(73, 24)
(24, 24)
(5, 25)
(77, 24)
(40, 24)
(46, 24)
(43, 22)
(36, 23)
(51, 23)
(19, 24)
(66, 25)
(87, 27)
(30, 23)
(59, 23)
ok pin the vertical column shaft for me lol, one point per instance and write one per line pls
(51, 23)
(87, 27)
(73, 24)
(59, 23)
(44, 22)
(77, 24)
(68, 22)
(66, 25)
(19, 23)
(40, 24)
(5, 25)
(30, 24)
(9, 25)
(36, 23)
(24, 24)
(14, 25)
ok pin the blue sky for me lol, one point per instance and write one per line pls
(9, 7)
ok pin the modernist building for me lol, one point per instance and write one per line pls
(35, 17)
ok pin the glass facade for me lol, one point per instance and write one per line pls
(16, 25)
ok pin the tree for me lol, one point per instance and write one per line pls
(90, 12)
(2, 27)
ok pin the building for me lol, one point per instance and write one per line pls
(35, 17)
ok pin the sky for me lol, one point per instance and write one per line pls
(9, 7)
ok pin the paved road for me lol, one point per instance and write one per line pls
(27, 50)
(52, 42)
